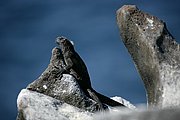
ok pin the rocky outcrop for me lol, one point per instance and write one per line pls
(155, 52)
(54, 93)
(63, 87)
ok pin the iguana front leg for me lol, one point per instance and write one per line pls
(68, 68)
(68, 63)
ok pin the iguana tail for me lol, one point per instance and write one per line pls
(108, 101)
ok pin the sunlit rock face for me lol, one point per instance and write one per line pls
(123, 114)
(155, 52)
(36, 106)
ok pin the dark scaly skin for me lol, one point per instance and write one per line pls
(77, 68)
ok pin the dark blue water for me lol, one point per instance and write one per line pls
(28, 29)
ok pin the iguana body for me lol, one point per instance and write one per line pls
(76, 67)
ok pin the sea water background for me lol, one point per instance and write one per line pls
(28, 32)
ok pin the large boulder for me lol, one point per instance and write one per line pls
(155, 52)
(37, 106)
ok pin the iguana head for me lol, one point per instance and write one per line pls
(57, 58)
(64, 44)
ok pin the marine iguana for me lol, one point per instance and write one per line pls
(76, 67)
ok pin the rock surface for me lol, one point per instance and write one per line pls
(36, 106)
(155, 52)
(121, 114)
(124, 102)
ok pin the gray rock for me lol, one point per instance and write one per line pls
(63, 87)
(36, 106)
(155, 52)
(124, 114)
